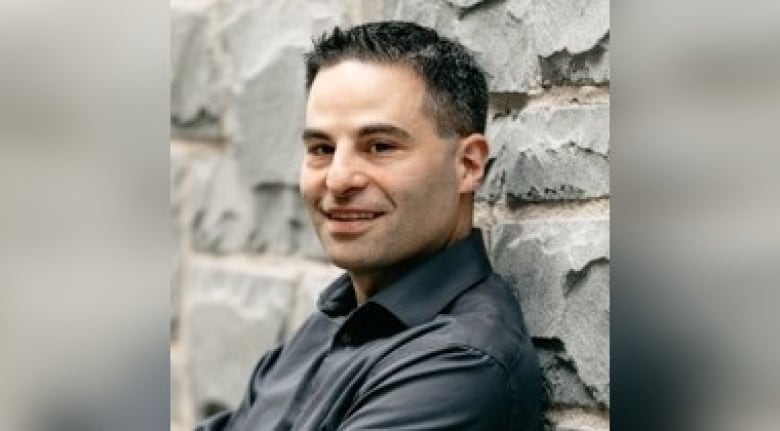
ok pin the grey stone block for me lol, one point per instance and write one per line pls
(486, 32)
(574, 26)
(237, 72)
(587, 68)
(197, 91)
(223, 219)
(282, 223)
(559, 270)
(598, 426)
(231, 217)
(177, 193)
(465, 4)
(524, 45)
(269, 111)
(502, 47)
(549, 154)
(265, 42)
(561, 384)
(439, 15)
(326, 14)
(176, 295)
(177, 190)
(234, 316)
(178, 415)
(313, 282)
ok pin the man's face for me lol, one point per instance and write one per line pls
(379, 182)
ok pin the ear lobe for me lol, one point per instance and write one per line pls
(472, 158)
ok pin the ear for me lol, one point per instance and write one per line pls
(471, 158)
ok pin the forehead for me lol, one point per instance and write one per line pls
(359, 91)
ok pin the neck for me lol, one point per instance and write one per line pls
(366, 284)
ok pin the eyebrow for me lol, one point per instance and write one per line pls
(368, 129)
(314, 134)
(389, 129)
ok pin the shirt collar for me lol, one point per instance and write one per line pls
(423, 290)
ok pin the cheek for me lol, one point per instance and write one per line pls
(308, 184)
(309, 194)
(428, 194)
(442, 180)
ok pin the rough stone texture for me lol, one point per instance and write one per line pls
(485, 31)
(283, 226)
(464, 4)
(436, 14)
(511, 66)
(234, 315)
(222, 207)
(586, 68)
(247, 199)
(197, 90)
(576, 419)
(574, 26)
(562, 385)
(549, 154)
(177, 196)
(175, 295)
(268, 134)
(178, 416)
(314, 281)
(229, 217)
(560, 272)
(524, 44)
(237, 72)
(265, 42)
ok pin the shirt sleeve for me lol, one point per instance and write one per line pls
(227, 420)
(456, 388)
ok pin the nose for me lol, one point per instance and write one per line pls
(345, 174)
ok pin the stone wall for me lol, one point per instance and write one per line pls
(247, 266)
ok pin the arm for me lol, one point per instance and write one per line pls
(225, 421)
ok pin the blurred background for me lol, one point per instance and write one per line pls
(84, 249)
(247, 264)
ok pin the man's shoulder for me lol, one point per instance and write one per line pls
(484, 320)
(488, 318)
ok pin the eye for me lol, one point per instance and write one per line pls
(320, 149)
(382, 147)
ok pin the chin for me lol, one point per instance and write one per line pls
(348, 263)
(353, 260)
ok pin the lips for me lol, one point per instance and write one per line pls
(350, 221)
(348, 216)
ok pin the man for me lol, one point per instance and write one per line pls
(419, 333)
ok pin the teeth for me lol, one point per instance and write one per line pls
(352, 216)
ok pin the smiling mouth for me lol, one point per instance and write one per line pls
(352, 216)
(350, 222)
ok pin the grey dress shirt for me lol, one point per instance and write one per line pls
(443, 347)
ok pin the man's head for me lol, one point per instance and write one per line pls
(456, 90)
(394, 145)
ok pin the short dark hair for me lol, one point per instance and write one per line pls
(456, 96)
